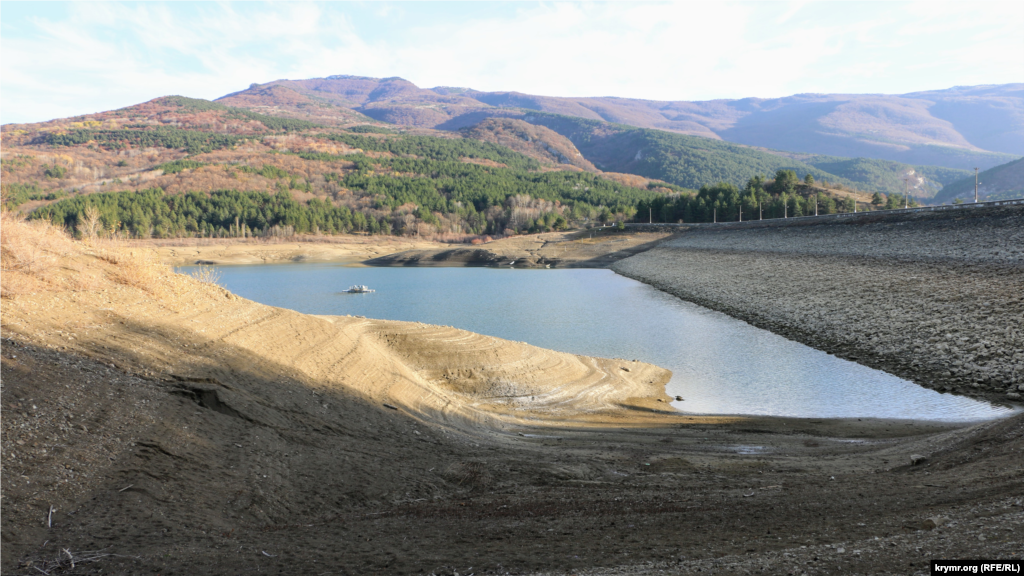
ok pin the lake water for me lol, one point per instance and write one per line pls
(720, 365)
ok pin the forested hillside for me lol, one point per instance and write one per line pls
(887, 176)
(692, 162)
(1003, 182)
(683, 160)
(183, 167)
(179, 166)
(960, 127)
(784, 195)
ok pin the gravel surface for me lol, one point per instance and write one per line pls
(936, 298)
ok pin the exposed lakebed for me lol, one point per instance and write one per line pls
(720, 365)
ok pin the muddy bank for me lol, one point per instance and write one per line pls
(936, 299)
(595, 248)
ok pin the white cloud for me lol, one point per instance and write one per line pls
(103, 56)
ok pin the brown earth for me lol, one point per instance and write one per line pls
(343, 249)
(153, 423)
(594, 248)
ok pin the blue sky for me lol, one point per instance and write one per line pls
(62, 59)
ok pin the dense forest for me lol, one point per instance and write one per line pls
(421, 185)
(153, 213)
(785, 195)
(192, 141)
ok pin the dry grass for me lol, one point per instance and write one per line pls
(133, 267)
(30, 255)
(37, 257)
(206, 275)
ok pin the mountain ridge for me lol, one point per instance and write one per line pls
(900, 127)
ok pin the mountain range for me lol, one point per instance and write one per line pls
(960, 127)
(382, 155)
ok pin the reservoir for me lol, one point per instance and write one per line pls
(720, 365)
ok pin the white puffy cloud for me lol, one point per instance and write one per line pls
(91, 57)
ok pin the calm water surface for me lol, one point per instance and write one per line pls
(720, 365)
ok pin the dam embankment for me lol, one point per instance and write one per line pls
(936, 297)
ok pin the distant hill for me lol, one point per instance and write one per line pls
(960, 127)
(533, 140)
(184, 167)
(873, 175)
(1005, 182)
(692, 162)
(272, 161)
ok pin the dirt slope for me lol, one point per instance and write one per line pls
(156, 424)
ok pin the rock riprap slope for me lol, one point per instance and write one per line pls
(937, 298)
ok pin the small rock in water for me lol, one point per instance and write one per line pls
(916, 459)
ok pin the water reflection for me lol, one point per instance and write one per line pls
(720, 365)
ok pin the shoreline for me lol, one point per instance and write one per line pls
(895, 296)
(190, 431)
(231, 251)
(610, 251)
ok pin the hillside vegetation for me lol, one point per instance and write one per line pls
(184, 167)
(1004, 182)
(297, 163)
(960, 127)
(692, 162)
(599, 139)
(783, 196)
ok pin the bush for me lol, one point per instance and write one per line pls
(55, 172)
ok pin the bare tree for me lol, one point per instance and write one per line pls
(89, 224)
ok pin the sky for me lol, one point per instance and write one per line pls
(61, 59)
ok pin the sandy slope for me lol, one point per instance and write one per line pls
(199, 331)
